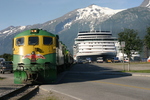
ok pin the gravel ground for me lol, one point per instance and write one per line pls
(7, 85)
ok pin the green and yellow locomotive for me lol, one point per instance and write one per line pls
(38, 56)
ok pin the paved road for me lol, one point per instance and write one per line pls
(95, 82)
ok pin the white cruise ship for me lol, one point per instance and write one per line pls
(93, 44)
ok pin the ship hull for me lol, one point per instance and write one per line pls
(94, 56)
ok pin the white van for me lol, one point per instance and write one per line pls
(99, 60)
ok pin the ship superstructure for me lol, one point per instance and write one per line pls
(94, 44)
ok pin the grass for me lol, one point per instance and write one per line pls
(134, 63)
(139, 62)
(1, 78)
(138, 71)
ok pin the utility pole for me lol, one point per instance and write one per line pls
(122, 46)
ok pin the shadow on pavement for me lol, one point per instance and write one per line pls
(89, 72)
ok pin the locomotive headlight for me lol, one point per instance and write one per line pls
(21, 51)
(34, 31)
(21, 68)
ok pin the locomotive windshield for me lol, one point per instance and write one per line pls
(20, 41)
(47, 40)
(33, 40)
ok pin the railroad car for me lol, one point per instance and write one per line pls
(38, 57)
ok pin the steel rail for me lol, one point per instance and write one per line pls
(22, 93)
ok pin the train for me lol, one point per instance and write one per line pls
(39, 57)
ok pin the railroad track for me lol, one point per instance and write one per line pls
(22, 93)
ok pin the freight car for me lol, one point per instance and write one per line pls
(38, 57)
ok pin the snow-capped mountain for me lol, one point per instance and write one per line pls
(89, 18)
(146, 3)
(95, 12)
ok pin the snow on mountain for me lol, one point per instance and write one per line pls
(145, 3)
(93, 14)
(95, 11)
(10, 30)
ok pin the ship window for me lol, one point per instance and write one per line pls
(33, 41)
(19, 41)
(47, 40)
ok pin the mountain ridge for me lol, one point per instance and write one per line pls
(89, 18)
(145, 3)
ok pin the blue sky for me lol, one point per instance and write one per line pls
(29, 12)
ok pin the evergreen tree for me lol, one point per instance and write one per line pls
(7, 57)
(132, 41)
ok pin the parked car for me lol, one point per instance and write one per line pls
(6, 66)
(109, 60)
(80, 61)
(84, 61)
(115, 59)
(99, 60)
(88, 60)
